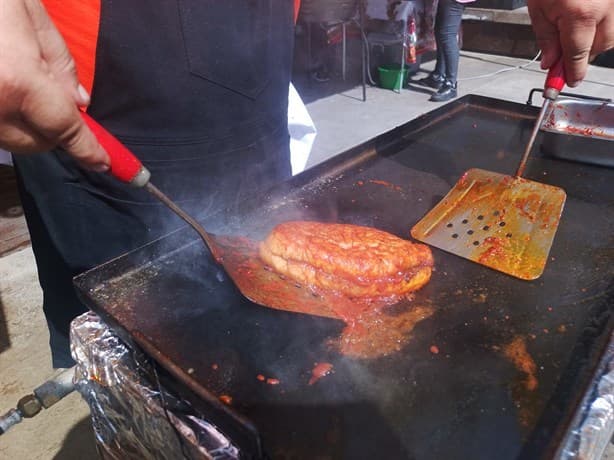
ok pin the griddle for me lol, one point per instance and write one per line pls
(450, 392)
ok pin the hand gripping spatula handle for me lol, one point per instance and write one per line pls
(555, 81)
(126, 167)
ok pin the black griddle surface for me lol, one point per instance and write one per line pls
(468, 400)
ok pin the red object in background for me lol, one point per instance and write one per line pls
(412, 39)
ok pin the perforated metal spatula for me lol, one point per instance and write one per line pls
(503, 222)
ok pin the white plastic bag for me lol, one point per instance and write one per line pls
(302, 131)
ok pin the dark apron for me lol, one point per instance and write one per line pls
(198, 89)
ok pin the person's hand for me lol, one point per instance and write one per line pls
(39, 90)
(577, 29)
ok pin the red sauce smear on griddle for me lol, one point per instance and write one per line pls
(523, 388)
(385, 184)
(517, 353)
(372, 329)
(226, 399)
(320, 370)
(378, 333)
(271, 381)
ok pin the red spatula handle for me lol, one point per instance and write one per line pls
(555, 81)
(124, 165)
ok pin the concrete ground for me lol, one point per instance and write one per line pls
(343, 120)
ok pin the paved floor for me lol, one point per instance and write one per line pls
(343, 121)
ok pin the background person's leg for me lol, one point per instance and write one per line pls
(449, 17)
(435, 79)
(440, 21)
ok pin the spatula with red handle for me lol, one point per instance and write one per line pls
(555, 81)
(238, 255)
(501, 221)
(126, 167)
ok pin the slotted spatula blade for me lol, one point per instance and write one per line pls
(503, 222)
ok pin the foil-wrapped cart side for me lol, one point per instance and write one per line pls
(132, 415)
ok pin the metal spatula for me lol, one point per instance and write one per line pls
(238, 255)
(503, 222)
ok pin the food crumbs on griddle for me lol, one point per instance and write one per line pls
(480, 298)
(261, 377)
(272, 381)
(562, 328)
(191, 370)
(226, 399)
(434, 349)
(320, 370)
(214, 366)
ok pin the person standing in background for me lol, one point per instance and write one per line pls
(447, 27)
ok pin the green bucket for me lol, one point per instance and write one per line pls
(390, 76)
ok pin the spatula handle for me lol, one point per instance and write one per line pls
(555, 81)
(125, 166)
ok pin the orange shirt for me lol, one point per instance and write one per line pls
(78, 22)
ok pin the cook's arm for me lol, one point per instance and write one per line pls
(39, 90)
(577, 29)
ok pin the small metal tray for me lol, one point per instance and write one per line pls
(580, 130)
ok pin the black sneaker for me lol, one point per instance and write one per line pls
(432, 81)
(446, 92)
(321, 75)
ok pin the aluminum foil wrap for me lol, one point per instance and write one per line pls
(593, 431)
(133, 416)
